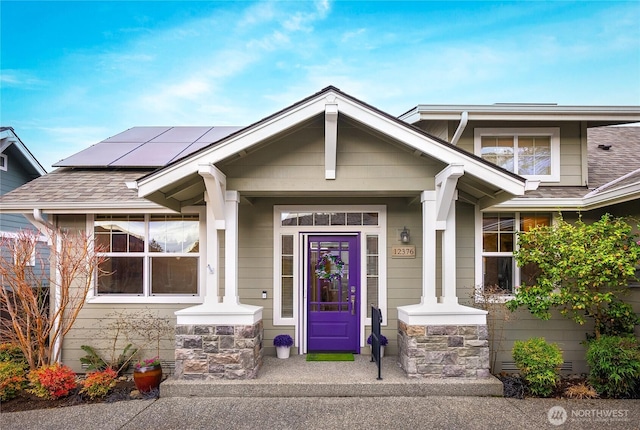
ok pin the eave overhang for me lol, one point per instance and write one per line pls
(603, 199)
(524, 112)
(76, 207)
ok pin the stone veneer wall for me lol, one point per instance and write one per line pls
(460, 351)
(218, 351)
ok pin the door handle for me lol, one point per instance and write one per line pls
(353, 300)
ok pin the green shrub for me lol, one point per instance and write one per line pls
(539, 363)
(10, 352)
(97, 384)
(52, 382)
(619, 319)
(94, 361)
(614, 365)
(12, 379)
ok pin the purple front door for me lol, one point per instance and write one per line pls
(333, 293)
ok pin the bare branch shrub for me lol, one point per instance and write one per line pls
(144, 329)
(29, 320)
(490, 299)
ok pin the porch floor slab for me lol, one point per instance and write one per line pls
(296, 377)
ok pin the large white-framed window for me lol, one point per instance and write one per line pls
(4, 162)
(496, 269)
(291, 223)
(152, 258)
(533, 153)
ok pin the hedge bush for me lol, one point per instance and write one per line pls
(614, 366)
(52, 382)
(12, 379)
(539, 363)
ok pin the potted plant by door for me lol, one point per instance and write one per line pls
(147, 374)
(283, 343)
(383, 342)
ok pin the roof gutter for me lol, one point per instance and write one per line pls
(464, 119)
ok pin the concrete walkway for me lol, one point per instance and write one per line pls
(295, 394)
(333, 413)
(296, 377)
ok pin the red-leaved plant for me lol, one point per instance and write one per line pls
(52, 382)
(98, 383)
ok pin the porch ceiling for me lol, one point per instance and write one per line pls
(190, 190)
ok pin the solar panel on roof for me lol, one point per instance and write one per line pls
(182, 134)
(147, 146)
(151, 154)
(99, 155)
(137, 134)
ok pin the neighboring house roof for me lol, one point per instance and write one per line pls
(8, 137)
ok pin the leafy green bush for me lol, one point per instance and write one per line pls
(97, 384)
(11, 352)
(614, 365)
(539, 363)
(619, 319)
(94, 361)
(12, 379)
(52, 382)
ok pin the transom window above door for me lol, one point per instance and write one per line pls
(532, 152)
(328, 218)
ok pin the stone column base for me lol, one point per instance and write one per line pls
(443, 351)
(218, 351)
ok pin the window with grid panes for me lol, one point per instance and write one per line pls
(499, 271)
(149, 255)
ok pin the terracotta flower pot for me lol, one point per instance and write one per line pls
(147, 378)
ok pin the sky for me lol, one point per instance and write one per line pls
(75, 73)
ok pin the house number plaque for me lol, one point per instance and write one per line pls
(404, 251)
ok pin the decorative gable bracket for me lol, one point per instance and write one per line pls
(330, 137)
(216, 185)
(446, 193)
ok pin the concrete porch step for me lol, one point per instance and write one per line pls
(295, 377)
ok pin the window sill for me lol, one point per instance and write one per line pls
(494, 298)
(145, 300)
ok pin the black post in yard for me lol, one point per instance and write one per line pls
(376, 321)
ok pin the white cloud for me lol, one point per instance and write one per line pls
(20, 79)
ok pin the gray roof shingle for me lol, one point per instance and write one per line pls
(88, 186)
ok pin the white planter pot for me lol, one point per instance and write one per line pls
(283, 351)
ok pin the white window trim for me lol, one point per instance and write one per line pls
(170, 299)
(479, 275)
(299, 305)
(552, 132)
(4, 162)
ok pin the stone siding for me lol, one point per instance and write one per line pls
(443, 351)
(218, 351)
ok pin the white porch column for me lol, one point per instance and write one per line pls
(222, 214)
(428, 199)
(439, 214)
(211, 255)
(232, 199)
(449, 295)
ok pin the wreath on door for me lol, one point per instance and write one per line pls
(327, 260)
